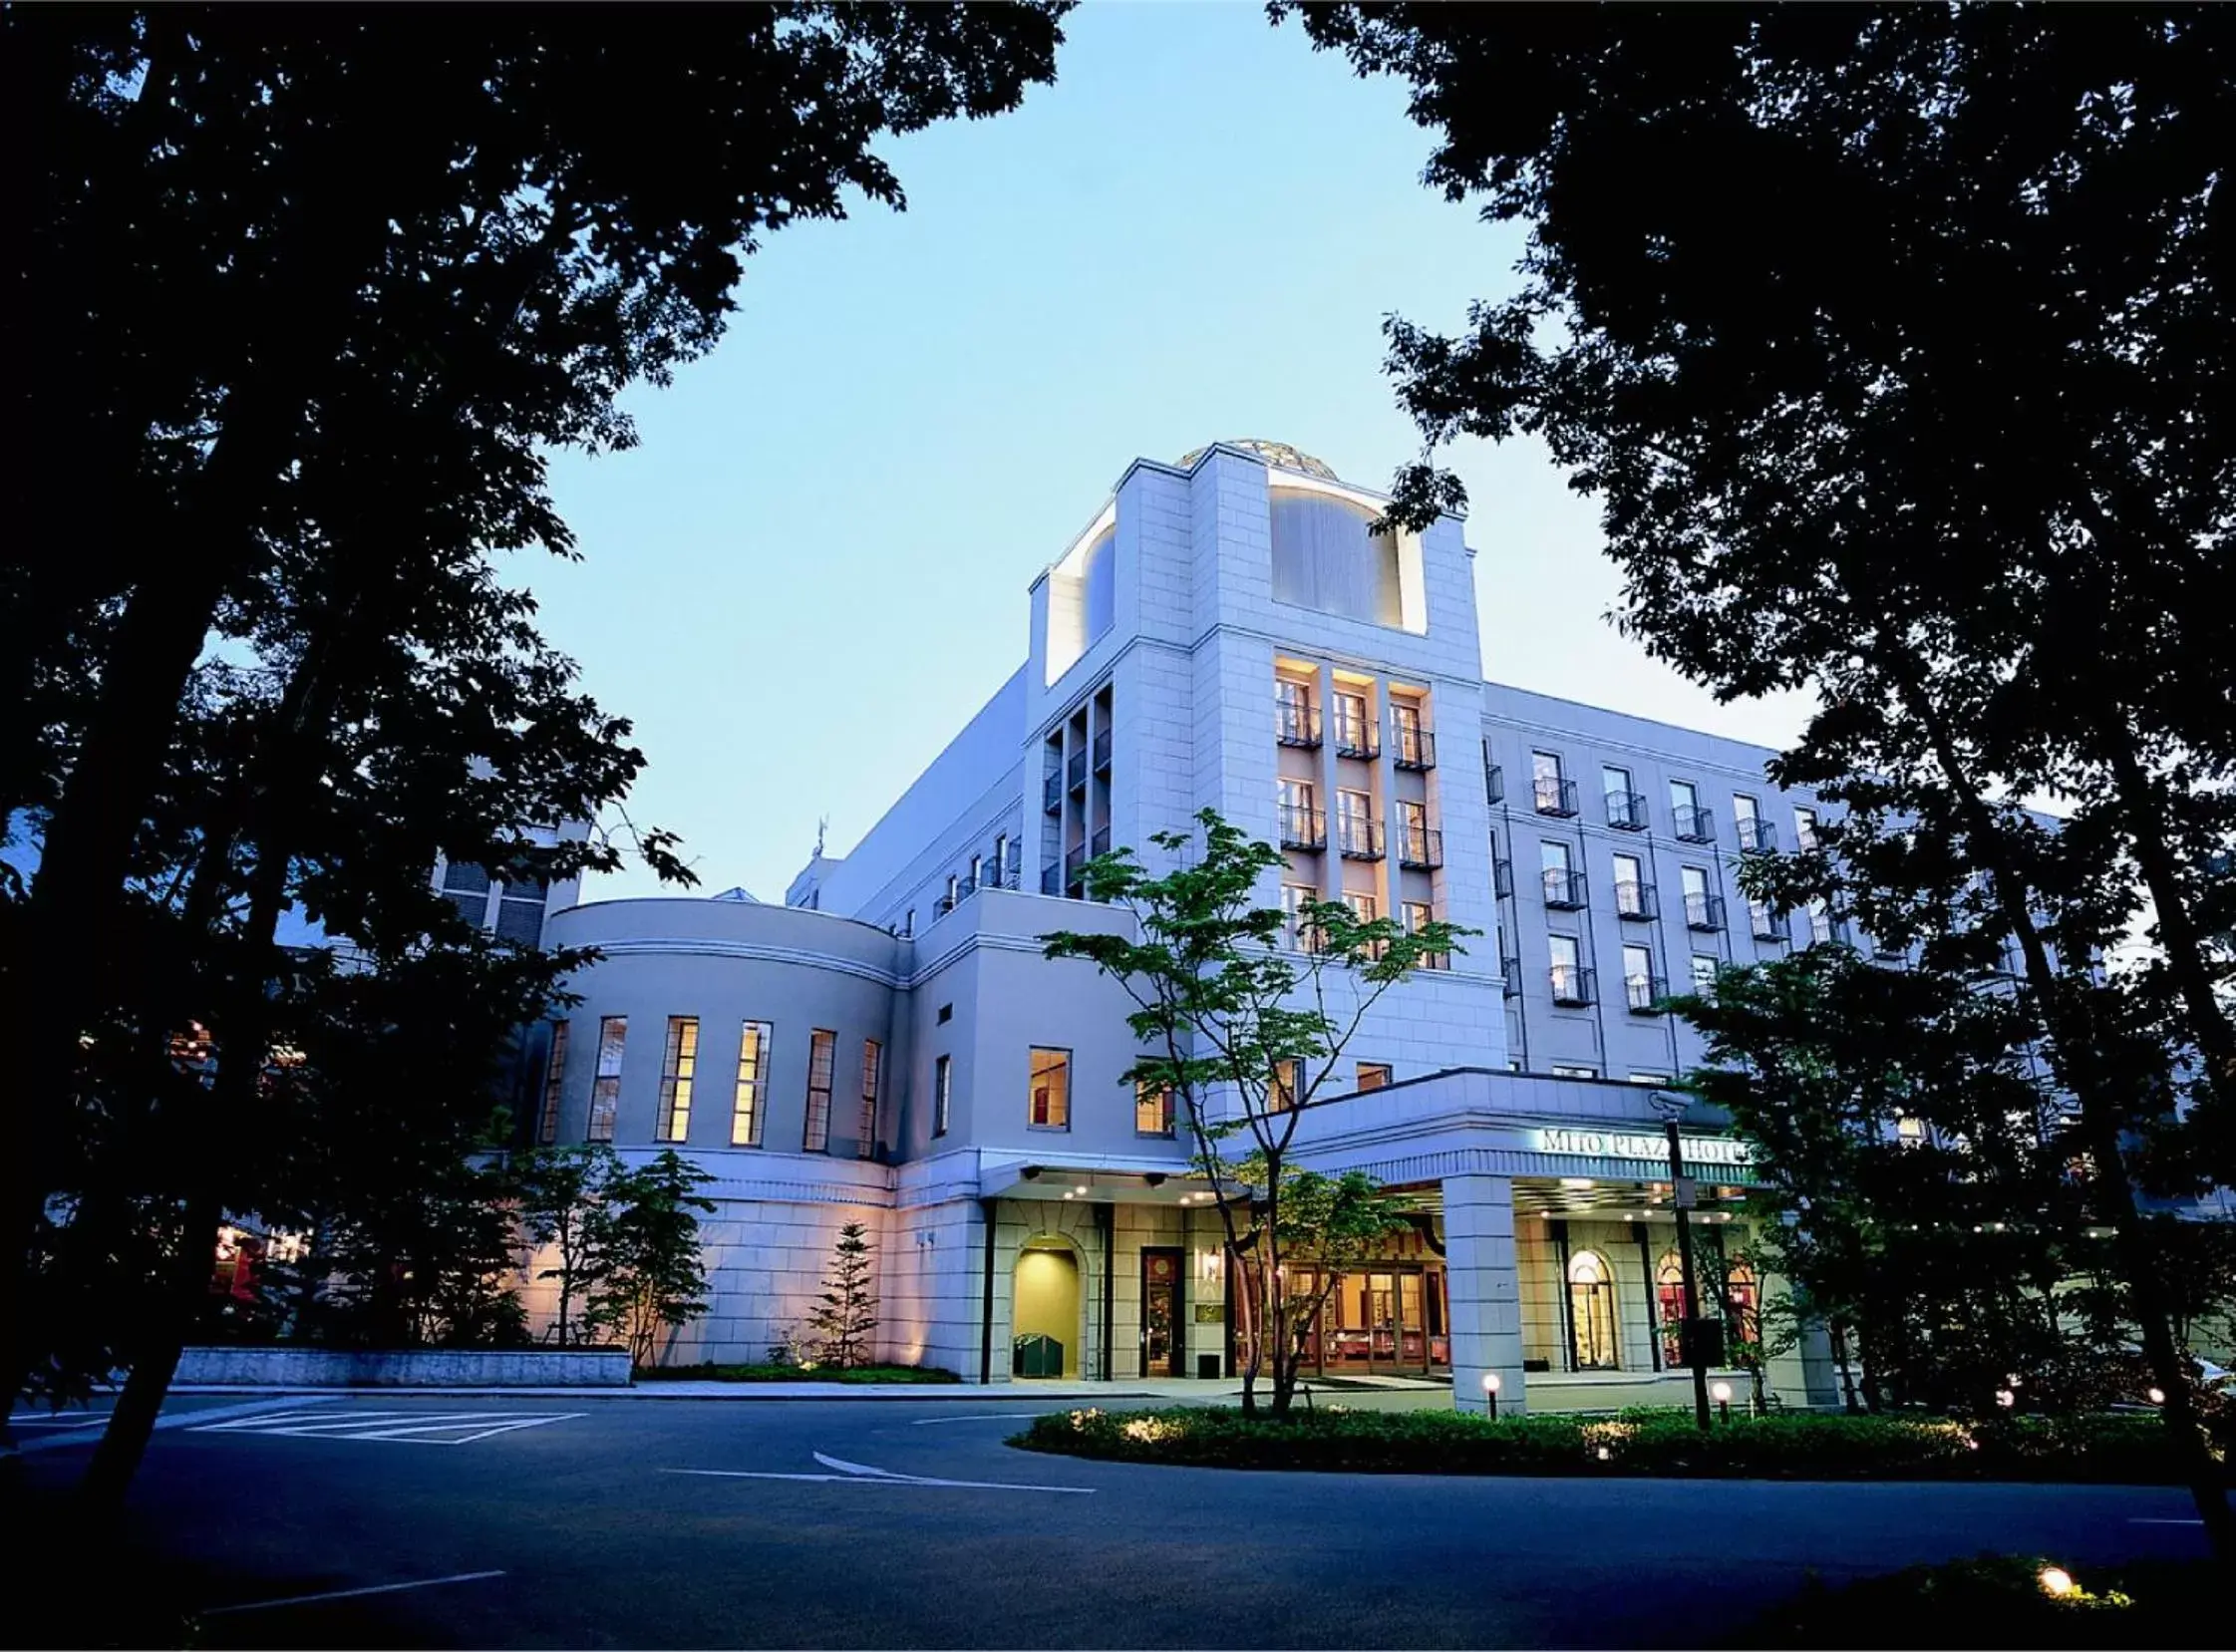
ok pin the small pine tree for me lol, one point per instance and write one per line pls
(846, 1321)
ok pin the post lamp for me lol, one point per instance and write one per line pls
(1673, 1110)
(1721, 1394)
(1491, 1386)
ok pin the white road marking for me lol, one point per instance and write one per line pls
(177, 1419)
(348, 1594)
(982, 1417)
(2145, 1520)
(404, 1428)
(862, 1474)
(57, 1420)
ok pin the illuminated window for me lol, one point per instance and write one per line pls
(865, 1139)
(940, 1081)
(1152, 1109)
(1363, 906)
(1705, 966)
(1909, 1131)
(1742, 1302)
(1373, 1074)
(1049, 1086)
(1295, 897)
(1591, 1311)
(676, 1070)
(823, 1051)
(747, 1112)
(1292, 704)
(605, 1089)
(1283, 1094)
(1668, 1307)
(547, 1127)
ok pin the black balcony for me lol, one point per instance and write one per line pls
(1502, 880)
(1494, 781)
(1564, 891)
(1626, 810)
(1051, 878)
(1302, 828)
(1704, 912)
(1637, 902)
(1356, 737)
(1052, 791)
(1416, 747)
(1757, 835)
(943, 905)
(1421, 848)
(1358, 839)
(1572, 987)
(1100, 843)
(1693, 826)
(1644, 994)
(1296, 725)
(1553, 796)
(1076, 770)
(1769, 925)
(1510, 970)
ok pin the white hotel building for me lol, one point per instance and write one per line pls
(892, 1047)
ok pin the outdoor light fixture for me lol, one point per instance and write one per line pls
(2006, 1398)
(1030, 1173)
(1491, 1384)
(2156, 1396)
(1081, 1189)
(1720, 1393)
(1575, 1182)
(2057, 1583)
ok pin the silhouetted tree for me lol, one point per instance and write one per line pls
(844, 1318)
(656, 1274)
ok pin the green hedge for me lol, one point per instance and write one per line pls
(1998, 1601)
(1645, 1442)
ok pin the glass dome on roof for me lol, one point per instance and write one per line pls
(1273, 453)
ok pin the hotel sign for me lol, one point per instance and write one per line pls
(1612, 1144)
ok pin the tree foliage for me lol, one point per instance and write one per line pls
(1243, 1017)
(655, 1279)
(844, 1318)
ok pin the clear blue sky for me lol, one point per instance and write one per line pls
(814, 569)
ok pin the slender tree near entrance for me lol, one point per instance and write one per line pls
(844, 1318)
(1243, 1014)
(1894, 343)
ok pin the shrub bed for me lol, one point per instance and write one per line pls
(1998, 1601)
(1644, 1441)
(796, 1374)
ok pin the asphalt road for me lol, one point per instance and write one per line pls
(529, 1522)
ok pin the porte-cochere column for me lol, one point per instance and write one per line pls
(1484, 1291)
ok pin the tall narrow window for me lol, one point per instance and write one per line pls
(1412, 741)
(1569, 983)
(1805, 828)
(1295, 897)
(1684, 796)
(547, 1127)
(1049, 1089)
(1152, 1109)
(1705, 966)
(1282, 1096)
(1640, 989)
(1591, 1311)
(1292, 705)
(748, 1111)
(978, 873)
(1001, 858)
(605, 1089)
(865, 1137)
(1668, 1305)
(1354, 731)
(823, 1051)
(1630, 888)
(677, 1067)
(1413, 828)
(941, 1082)
(1550, 790)
(1354, 826)
(1362, 904)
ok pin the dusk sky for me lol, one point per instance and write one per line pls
(814, 567)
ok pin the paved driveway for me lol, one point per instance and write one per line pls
(618, 1522)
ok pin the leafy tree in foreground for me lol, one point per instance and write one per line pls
(655, 1275)
(1894, 342)
(561, 1195)
(1244, 1031)
(845, 1319)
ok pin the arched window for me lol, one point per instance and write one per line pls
(1591, 1311)
(1668, 1307)
(1743, 1300)
(1324, 557)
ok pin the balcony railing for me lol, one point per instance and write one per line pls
(1572, 987)
(1416, 747)
(1076, 770)
(1644, 993)
(1421, 848)
(1704, 912)
(1637, 902)
(1358, 839)
(1296, 725)
(1769, 925)
(1694, 825)
(1051, 878)
(1626, 810)
(1302, 828)
(943, 905)
(1356, 737)
(1756, 834)
(1564, 891)
(1510, 970)
(1553, 796)
(1502, 880)
(1103, 752)
(1052, 791)
(1494, 781)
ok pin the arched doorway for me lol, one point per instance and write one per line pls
(1044, 1311)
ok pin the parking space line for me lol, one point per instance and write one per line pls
(982, 1417)
(862, 1474)
(399, 1428)
(347, 1595)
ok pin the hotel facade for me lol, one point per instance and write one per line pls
(890, 1046)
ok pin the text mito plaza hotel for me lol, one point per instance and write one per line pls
(892, 1047)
